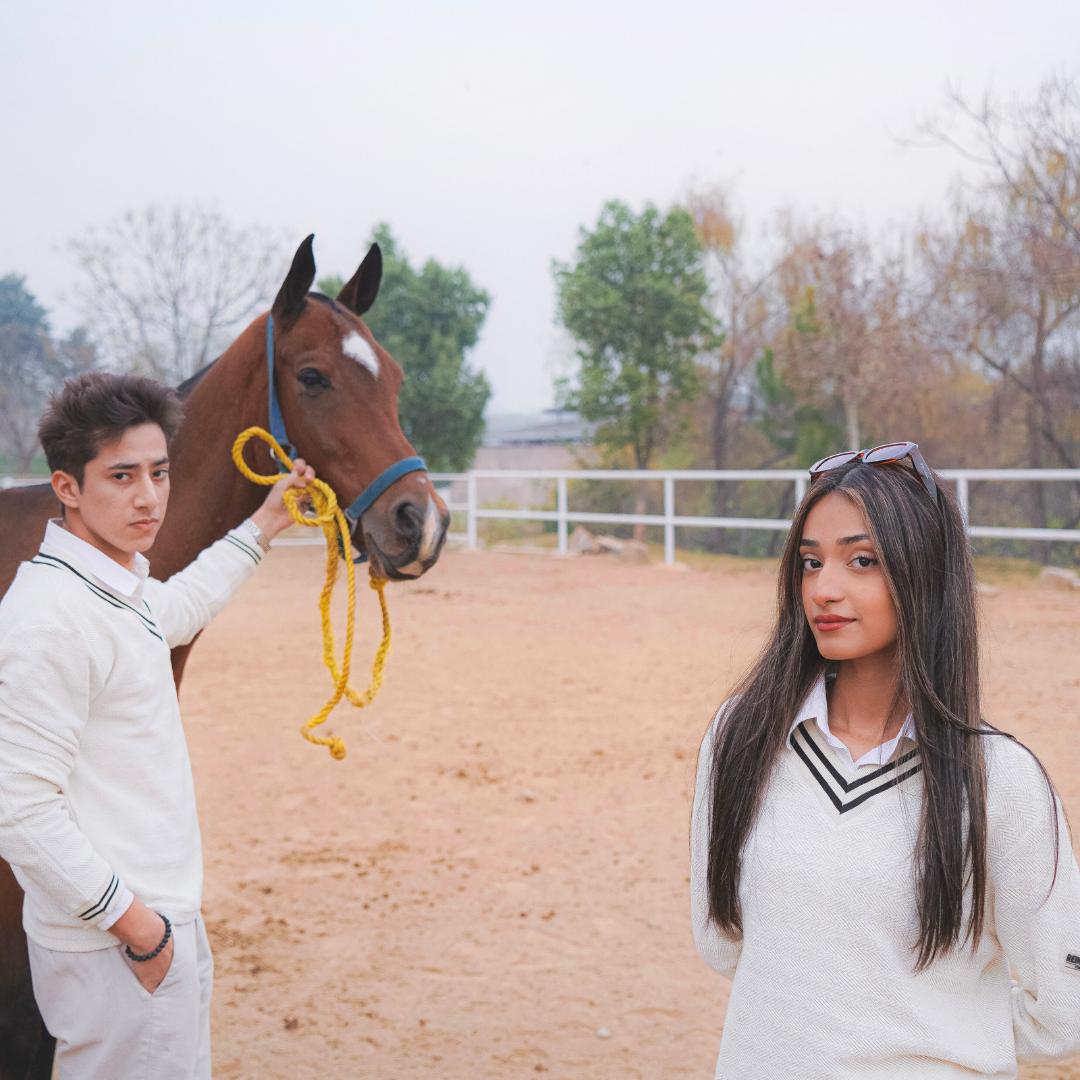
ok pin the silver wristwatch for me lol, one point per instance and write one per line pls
(260, 536)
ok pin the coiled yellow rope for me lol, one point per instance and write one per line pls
(328, 515)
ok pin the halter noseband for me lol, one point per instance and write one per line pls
(377, 486)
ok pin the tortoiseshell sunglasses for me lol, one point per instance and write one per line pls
(881, 455)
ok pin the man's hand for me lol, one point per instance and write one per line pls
(142, 930)
(273, 516)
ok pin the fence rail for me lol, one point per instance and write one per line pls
(670, 521)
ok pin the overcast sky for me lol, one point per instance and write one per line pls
(486, 133)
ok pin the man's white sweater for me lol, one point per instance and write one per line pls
(96, 794)
(823, 984)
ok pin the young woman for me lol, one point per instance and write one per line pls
(869, 857)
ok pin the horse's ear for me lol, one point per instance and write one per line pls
(359, 294)
(294, 289)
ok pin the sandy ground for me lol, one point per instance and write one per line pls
(499, 869)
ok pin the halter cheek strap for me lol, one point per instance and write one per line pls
(277, 424)
(277, 428)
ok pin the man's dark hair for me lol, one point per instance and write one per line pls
(97, 408)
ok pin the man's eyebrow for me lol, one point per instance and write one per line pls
(134, 464)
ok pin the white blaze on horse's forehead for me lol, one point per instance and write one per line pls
(356, 347)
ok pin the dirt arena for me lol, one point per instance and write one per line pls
(499, 868)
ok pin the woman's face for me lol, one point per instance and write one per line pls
(843, 589)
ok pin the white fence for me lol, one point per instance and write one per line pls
(671, 521)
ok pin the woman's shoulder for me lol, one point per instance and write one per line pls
(717, 721)
(1010, 765)
(1018, 797)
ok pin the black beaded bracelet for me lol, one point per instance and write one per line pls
(151, 955)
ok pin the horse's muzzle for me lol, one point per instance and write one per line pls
(406, 541)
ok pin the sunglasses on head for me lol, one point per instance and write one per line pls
(880, 455)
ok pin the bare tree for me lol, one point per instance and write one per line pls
(1008, 268)
(742, 298)
(846, 335)
(163, 289)
(1030, 149)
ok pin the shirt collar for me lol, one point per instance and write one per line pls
(109, 572)
(816, 708)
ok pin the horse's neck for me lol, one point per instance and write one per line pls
(208, 495)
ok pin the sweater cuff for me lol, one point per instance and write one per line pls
(122, 905)
(242, 539)
(103, 904)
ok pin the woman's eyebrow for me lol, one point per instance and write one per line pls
(844, 541)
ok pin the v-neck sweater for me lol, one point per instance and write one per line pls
(96, 792)
(823, 981)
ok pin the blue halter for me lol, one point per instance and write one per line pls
(277, 428)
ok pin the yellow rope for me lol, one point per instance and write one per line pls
(327, 514)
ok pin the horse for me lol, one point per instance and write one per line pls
(338, 390)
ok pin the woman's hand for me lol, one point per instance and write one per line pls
(273, 515)
(142, 930)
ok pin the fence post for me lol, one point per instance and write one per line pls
(560, 487)
(470, 512)
(669, 520)
(800, 490)
(962, 498)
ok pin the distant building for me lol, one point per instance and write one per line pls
(552, 427)
(551, 439)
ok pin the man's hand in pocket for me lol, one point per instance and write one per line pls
(142, 930)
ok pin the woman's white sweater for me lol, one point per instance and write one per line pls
(96, 794)
(823, 984)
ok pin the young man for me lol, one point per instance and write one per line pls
(97, 805)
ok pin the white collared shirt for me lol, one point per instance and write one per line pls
(816, 708)
(126, 582)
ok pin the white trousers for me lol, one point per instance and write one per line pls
(107, 1027)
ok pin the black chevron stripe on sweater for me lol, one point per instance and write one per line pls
(843, 793)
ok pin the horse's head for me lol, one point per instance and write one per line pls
(338, 389)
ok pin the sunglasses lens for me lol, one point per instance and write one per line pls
(834, 461)
(888, 452)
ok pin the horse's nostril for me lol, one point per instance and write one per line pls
(409, 521)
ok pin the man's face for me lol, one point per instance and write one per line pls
(121, 503)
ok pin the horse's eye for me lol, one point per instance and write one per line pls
(313, 379)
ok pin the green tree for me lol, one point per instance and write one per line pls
(633, 302)
(799, 431)
(427, 320)
(31, 367)
(331, 286)
(19, 305)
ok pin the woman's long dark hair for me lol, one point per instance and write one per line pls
(926, 561)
